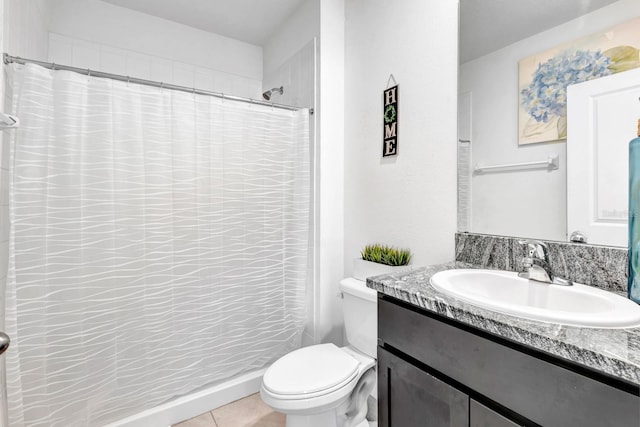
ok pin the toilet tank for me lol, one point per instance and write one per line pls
(360, 309)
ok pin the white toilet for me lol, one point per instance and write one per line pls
(324, 385)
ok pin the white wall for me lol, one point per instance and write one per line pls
(293, 35)
(523, 203)
(330, 163)
(97, 35)
(408, 200)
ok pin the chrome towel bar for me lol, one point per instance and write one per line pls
(551, 163)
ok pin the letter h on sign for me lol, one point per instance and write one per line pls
(390, 122)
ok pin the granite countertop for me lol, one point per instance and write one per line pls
(612, 351)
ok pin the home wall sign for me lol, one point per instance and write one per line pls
(390, 121)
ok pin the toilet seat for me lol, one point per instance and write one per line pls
(310, 371)
(324, 397)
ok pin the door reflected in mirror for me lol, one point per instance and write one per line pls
(528, 201)
(603, 116)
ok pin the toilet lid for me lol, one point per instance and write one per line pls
(310, 369)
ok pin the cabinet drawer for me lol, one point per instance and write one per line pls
(409, 397)
(481, 416)
(545, 393)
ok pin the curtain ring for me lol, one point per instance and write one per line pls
(89, 72)
(53, 66)
(128, 79)
(161, 85)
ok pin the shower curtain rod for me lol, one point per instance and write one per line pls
(8, 59)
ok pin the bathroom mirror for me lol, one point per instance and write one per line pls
(521, 199)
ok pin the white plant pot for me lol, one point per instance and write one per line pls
(363, 269)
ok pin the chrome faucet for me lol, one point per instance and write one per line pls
(537, 264)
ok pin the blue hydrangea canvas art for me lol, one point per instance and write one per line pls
(544, 78)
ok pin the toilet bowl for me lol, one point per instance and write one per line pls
(314, 383)
(325, 385)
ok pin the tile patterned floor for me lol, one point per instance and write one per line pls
(248, 412)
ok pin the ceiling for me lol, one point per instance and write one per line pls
(488, 25)
(251, 21)
(485, 25)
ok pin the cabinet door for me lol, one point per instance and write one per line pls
(481, 416)
(409, 397)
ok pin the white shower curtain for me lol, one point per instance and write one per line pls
(158, 244)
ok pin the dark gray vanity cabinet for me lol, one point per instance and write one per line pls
(436, 372)
(415, 398)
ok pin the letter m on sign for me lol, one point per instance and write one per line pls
(389, 130)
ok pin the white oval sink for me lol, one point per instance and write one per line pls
(505, 292)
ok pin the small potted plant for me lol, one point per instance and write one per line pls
(379, 259)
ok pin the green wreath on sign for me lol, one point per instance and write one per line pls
(389, 114)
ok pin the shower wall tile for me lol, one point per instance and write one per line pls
(184, 74)
(85, 55)
(113, 61)
(245, 85)
(204, 79)
(297, 75)
(115, 26)
(138, 65)
(601, 266)
(224, 83)
(79, 53)
(161, 70)
(60, 50)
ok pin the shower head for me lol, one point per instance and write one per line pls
(267, 95)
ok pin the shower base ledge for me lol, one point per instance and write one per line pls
(196, 403)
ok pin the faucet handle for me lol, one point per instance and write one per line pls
(536, 249)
